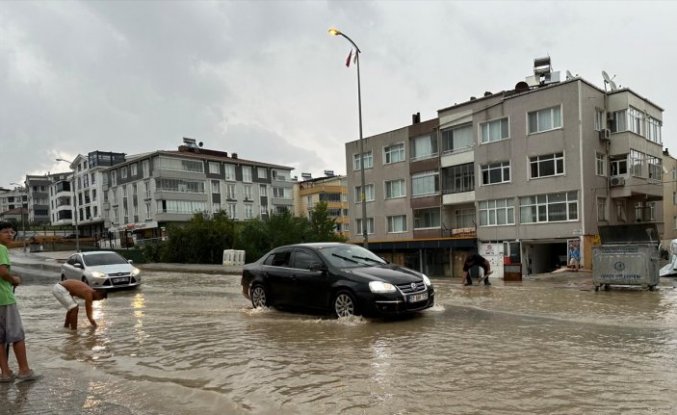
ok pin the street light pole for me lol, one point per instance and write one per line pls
(336, 32)
(23, 219)
(75, 206)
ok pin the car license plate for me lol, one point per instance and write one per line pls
(414, 298)
(119, 279)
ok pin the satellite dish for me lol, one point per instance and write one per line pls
(569, 75)
(609, 80)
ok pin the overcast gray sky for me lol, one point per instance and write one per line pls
(264, 78)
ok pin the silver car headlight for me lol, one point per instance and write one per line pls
(135, 272)
(381, 287)
(426, 280)
(97, 274)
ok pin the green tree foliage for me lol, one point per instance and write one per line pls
(203, 239)
(322, 226)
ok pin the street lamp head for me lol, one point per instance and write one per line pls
(334, 31)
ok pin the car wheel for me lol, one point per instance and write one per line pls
(344, 304)
(63, 277)
(259, 296)
(85, 280)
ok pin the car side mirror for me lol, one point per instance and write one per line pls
(77, 265)
(131, 261)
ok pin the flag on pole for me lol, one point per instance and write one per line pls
(349, 58)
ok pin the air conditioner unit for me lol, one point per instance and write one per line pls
(604, 134)
(617, 181)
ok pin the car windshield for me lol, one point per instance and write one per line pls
(103, 258)
(350, 256)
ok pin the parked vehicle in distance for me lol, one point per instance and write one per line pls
(101, 270)
(340, 278)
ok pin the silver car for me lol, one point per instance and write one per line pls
(101, 270)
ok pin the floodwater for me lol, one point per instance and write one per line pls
(191, 344)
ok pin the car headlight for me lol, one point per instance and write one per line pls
(381, 287)
(97, 274)
(426, 280)
(135, 272)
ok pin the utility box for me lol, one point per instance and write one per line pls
(628, 255)
(512, 272)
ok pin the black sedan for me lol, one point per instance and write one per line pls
(341, 278)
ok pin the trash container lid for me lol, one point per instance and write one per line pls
(642, 233)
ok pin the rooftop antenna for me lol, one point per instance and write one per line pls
(609, 80)
(569, 75)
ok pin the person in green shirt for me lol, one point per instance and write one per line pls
(11, 329)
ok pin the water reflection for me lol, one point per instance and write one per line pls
(194, 345)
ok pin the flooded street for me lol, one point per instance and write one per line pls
(191, 344)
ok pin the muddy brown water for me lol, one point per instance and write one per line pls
(191, 344)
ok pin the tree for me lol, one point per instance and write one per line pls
(322, 226)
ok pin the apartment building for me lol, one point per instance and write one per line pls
(37, 187)
(148, 191)
(11, 199)
(331, 189)
(528, 170)
(669, 199)
(75, 198)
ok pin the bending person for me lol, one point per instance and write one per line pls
(476, 260)
(66, 290)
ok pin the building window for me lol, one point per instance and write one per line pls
(427, 218)
(216, 188)
(654, 131)
(600, 121)
(134, 170)
(423, 147)
(229, 172)
(263, 191)
(497, 212)
(230, 191)
(635, 121)
(247, 174)
(397, 224)
(496, 130)
(457, 138)
(178, 185)
(145, 168)
(465, 218)
(368, 159)
(232, 210)
(214, 168)
(645, 211)
(637, 162)
(547, 165)
(601, 209)
(261, 173)
(370, 226)
(248, 192)
(551, 207)
(620, 211)
(655, 168)
(395, 188)
(545, 119)
(93, 178)
(618, 167)
(496, 173)
(368, 193)
(600, 163)
(393, 153)
(425, 184)
(248, 211)
(457, 179)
